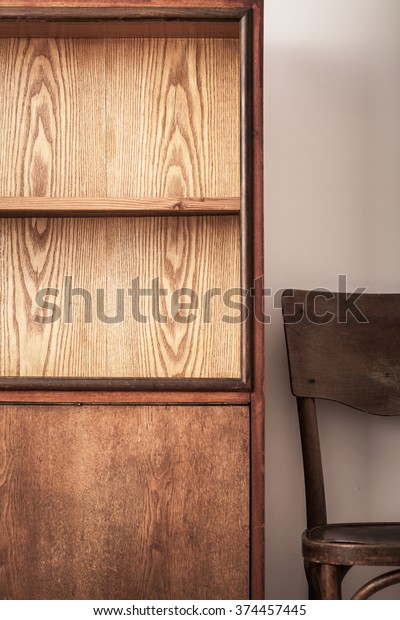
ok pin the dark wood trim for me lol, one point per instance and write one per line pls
(116, 207)
(125, 398)
(112, 384)
(148, 5)
(120, 28)
(246, 191)
(64, 19)
(258, 202)
(257, 343)
(72, 12)
(142, 8)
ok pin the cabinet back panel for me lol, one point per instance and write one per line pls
(124, 502)
(120, 118)
(96, 325)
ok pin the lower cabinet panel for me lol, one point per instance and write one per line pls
(124, 502)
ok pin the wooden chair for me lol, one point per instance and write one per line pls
(345, 350)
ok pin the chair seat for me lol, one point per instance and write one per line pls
(353, 543)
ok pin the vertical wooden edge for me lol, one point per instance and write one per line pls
(257, 494)
(246, 163)
(258, 198)
(257, 237)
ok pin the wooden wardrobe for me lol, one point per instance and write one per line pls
(131, 327)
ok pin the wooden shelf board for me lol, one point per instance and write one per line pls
(75, 207)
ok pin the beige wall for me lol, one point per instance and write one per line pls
(332, 170)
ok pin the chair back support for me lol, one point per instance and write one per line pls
(343, 348)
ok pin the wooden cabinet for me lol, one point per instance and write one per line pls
(136, 502)
(131, 332)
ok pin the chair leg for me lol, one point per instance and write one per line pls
(312, 574)
(330, 582)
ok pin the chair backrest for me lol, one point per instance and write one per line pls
(341, 347)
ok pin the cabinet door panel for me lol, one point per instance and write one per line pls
(113, 502)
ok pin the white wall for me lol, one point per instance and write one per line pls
(332, 178)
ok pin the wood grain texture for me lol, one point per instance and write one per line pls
(177, 124)
(345, 348)
(154, 9)
(122, 398)
(119, 118)
(124, 502)
(106, 254)
(52, 118)
(65, 207)
(258, 550)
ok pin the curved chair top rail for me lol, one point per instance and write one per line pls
(345, 347)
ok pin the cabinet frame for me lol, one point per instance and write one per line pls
(28, 21)
(101, 18)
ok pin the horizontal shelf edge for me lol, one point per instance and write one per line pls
(124, 398)
(106, 29)
(78, 10)
(112, 207)
(117, 384)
